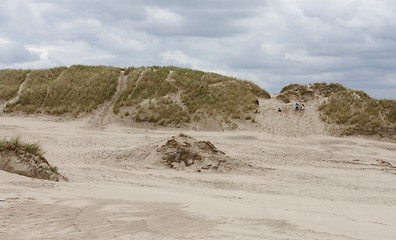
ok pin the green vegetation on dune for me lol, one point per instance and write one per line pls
(177, 96)
(26, 159)
(17, 146)
(80, 89)
(327, 89)
(36, 89)
(170, 95)
(388, 110)
(300, 92)
(77, 89)
(10, 80)
(161, 95)
(352, 112)
(359, 114)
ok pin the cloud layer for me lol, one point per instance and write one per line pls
(272, 42)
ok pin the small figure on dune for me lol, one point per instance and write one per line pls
(297, 106)
(257, 102)
(279, 110)
(302, 106)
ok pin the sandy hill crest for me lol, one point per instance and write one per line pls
(152, 97)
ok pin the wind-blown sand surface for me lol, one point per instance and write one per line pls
(307, 187)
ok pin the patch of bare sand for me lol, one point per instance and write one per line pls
(290, 122)
(312, 187)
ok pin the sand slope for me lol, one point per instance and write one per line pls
(307, 187)
(290, 122)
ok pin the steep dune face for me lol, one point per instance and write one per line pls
(289, 121)
(341, 111)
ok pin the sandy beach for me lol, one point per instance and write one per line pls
(306, 187)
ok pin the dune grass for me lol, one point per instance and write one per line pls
(18, 146)
(171, 95)
(29, 152)
(163, 95)
(165, 111)
(10, 80)
(80, 89)
(305, 93)
(327, 89)
(217, 95)
(296, 92)
(359, 113)
(36, 89)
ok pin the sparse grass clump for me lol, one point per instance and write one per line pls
(80, 89)
(10, 80)
(17, 146)
(26, 159)
(360, 114)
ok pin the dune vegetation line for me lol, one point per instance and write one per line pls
(172, 96)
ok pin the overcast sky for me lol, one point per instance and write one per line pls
(270, 42)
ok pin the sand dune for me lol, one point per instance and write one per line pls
(307, 187)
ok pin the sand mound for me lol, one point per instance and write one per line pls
(186, 152)
(180, 152)
(29, 165)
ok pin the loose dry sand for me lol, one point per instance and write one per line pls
(309, 186)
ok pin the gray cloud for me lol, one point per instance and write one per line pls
(271, 42)
(11, 53)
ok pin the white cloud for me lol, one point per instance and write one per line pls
(272, 42)
(162, 16)
(180, 59)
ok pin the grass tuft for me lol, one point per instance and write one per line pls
(16, 145)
